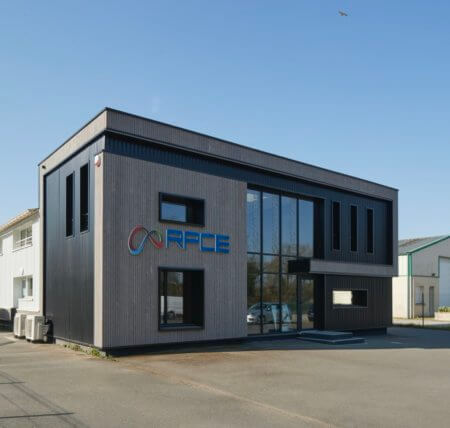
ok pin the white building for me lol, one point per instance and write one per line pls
(19, 265)
(424, 272)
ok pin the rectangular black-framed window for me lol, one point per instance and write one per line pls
(69, 205)
(370, 231)
(336, 225)
(181, 298)
(353, 228)
(181, 209)
(84, 198)
(350, 298)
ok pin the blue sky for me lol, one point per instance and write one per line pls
(367, 94)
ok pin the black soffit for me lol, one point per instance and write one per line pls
(301, 265)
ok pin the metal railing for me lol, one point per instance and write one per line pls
(23, 243)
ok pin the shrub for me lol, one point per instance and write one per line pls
(444, 309)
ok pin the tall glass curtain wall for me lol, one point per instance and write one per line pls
(279, 228)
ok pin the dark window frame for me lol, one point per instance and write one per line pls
(261, 253)
(354, 238)
(314, 236)
(162, 270)
(350, 306)
(88, 207)
(333, 247)
(196, 203)
(370, 249)
(72, 221)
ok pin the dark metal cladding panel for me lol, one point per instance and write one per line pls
(69, 262)
(256, 177)
(301, 265)
(377, 314)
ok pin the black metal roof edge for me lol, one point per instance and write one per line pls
(214, 138)
(172, 147)
(248, 148)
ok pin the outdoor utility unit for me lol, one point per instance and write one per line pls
(19, 325)
(34, 328)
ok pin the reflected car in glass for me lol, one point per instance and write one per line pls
(270, 313)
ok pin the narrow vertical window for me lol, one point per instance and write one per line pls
(69, 205)
(84, 198)
(336, 214)
(370, 236)
(353, 228)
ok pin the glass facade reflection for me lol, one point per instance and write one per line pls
(271, 223)
(253, 221)
(306, 228)
(289, 302)
(279, 229)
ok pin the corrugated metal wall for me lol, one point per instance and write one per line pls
(69, 262)
(378, 313)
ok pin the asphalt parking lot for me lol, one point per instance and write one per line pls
(401, 379)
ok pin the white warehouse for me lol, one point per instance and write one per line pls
(19, 266)
(424, 272)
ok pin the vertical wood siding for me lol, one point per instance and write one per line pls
(383, 213)
(130, 283)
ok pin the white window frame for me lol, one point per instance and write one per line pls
(25, 242)
(26, 283)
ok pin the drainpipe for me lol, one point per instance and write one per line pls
(410, 290)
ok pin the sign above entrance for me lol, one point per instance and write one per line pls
(183, 239)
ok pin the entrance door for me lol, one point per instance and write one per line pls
(431, 302)
(306, 303)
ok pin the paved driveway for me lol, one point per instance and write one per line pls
(397, 380)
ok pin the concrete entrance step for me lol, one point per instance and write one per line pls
(330, 337)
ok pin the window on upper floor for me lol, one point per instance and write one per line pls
(353, 228)
(181, 209)
(336, 225)
(84, 198)
(370, 231)
(69, 205)
(24, 238)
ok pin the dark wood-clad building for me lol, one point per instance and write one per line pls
(154, 234)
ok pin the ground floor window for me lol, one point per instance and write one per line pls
(350, 298)
(27, 287)
(181, 296)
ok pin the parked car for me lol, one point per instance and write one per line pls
(269, 313)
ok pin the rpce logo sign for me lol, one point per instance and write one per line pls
(206, 242)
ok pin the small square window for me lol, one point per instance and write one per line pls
(181, 209)
(181, 295)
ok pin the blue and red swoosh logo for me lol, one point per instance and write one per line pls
(153, 236)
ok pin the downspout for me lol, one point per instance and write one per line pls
(410, 290)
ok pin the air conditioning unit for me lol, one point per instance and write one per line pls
(19, 325)
(34, 328)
